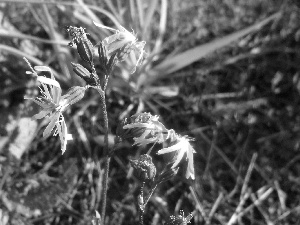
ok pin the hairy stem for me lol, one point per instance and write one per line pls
(107, 159)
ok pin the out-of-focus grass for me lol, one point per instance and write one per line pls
(240, 102)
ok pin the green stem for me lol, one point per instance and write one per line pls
(141, 205)
(107, 159)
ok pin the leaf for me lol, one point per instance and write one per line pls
(140, 12)
(149, 15)
(162, 25)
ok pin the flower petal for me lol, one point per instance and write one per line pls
(63, 134)
(169, 149)
(45, 92)
(53, 119)
(54, 88)
(41, 114)
(41, 102)
(104, 27)
(134, 125)
(42, 68)
(179, 156)
(48, 81)
(190, 171)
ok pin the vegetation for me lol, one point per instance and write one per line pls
(224, 73)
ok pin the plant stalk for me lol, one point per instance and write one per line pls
(106, 151)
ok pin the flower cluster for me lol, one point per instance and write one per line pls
(53, 104)
(146, 129)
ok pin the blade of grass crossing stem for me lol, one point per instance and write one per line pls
(148, 17)
(186, 58)
(140, 10)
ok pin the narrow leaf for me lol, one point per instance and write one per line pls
(140, 10)
(188, 57)
(149, 15)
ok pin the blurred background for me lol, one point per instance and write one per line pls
(226, 73)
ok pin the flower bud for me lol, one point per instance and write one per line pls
(84, 45)
(144, 167)
(85, 49)
(83, 73)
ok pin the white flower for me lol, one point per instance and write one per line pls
(54, 104)
(125, 41)
(182, 147)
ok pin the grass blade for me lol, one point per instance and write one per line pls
(113, 10)
(186, 58)
(148, 17)
(62, 55)
(16, 34)
(34, 60)
(133, 13)
(140, 10)
(162, 25)
(88, 12)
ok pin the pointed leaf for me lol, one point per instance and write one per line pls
(188, 57)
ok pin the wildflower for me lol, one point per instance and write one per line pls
(179, 220)
(125, 44)
(147, 129)
(182, 146)
(54, 104)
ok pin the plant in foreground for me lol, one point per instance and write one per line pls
(141, 128)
